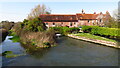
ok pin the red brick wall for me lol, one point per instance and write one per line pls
(50, 24)
(73, 24)
(85, 22)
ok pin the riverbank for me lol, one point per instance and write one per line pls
(106, 43)
(3, 34)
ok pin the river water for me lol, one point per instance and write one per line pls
(68, 52)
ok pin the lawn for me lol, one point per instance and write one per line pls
(87, 35)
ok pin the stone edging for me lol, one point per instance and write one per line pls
(111, 44)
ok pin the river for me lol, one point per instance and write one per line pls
(68, 52)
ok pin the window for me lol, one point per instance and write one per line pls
(100, 20)
(62, 23)
(53, 23)
(74, 23)
(96, 20)
(92, 21)
(70, 23)
(88, 21)
(46, 23)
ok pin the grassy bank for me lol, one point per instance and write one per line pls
(90, 36)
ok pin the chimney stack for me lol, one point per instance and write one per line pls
(83, 11)
(100, 12)
(107, 12)
(94, 12)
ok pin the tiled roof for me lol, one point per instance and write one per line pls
(75, 17)
(58, 17)
(87, 16)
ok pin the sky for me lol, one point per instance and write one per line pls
(18, 10)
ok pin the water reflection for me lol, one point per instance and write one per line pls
(34, 51)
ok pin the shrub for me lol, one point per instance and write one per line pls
(86, 29)
(65, 30)
(101, 30)
(33, 25)
(74, 30)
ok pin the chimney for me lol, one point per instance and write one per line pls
(82, 11)
(107, 12)
(94, 12)
(100, 12)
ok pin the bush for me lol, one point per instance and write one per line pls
(74, 30)
(34, 25)
(65, 30)
(102, 30)
(86, 29)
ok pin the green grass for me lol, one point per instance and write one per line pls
(87, 35)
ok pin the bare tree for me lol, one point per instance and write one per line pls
(115, 14)
(113, 21)
(39, 9)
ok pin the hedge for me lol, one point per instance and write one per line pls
(65, 30)
(101, 30)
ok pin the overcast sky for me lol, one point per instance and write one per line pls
(18, 10)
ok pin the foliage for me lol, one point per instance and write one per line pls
(34, 25)
(87, 29)
(74, 30)
(101, 30)
(65, 30)
(112, 23)
(46, 43)
(33, 42)
(15, 38)
(12, 33)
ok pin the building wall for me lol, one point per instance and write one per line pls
(76, 24)
(53, 24)
(86, 22)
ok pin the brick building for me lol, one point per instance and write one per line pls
(75, 20)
